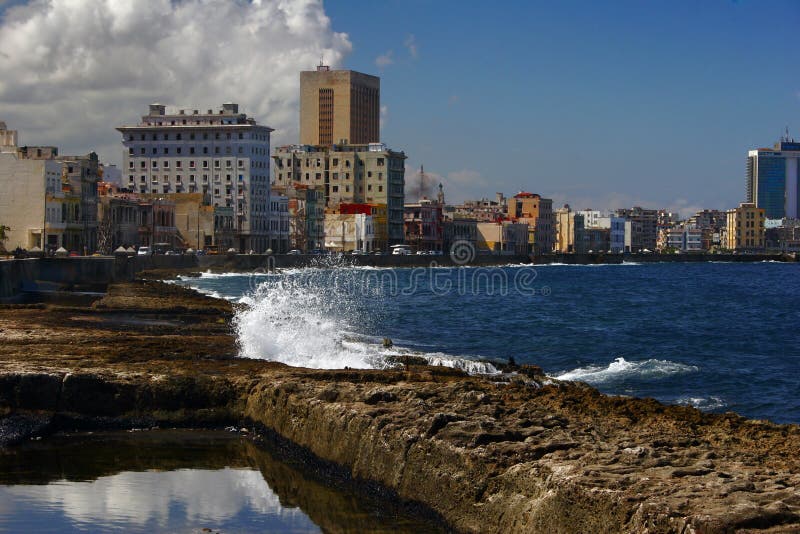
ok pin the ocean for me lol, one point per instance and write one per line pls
(717, 336)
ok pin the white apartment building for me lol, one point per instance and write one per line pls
(595, 219)
(223, 154)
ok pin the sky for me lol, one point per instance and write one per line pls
(600, 105)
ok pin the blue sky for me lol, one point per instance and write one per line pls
(597, 104)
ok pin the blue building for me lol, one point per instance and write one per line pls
(773, 179)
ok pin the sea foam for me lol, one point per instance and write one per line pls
(621, 369)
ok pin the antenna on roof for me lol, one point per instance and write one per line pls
(322, 66)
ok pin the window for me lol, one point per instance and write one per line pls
(205, 150)
(166, 164)
(155, 150)
(178, 137)
(141, 151)
(178, 164)
(335, 162)
(191, 136)
(216, 164)
(155, 164)
(130, 164)
(191, 150)
(216, 150)
(241, 164)
(205, 163)
(335, 188)
(178, 150)
(228, 164)
(166, 150)
(191, 164)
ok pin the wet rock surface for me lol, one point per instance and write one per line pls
(523, 454)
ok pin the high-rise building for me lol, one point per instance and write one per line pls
(773, 179)
(223, 154)
(644, 228)
(339, 107)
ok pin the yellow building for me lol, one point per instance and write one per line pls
(745, 228)
(339, 107)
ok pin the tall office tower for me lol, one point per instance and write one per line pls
(773, 179)
(339, 107)
(224, 155)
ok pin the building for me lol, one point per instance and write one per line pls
(459, 230)
(595, 219)
(683, 238)
(223, 154)
(537, 213)
(745, 229)
(349, 174)
(772, 179)
(279, 224)
(569, 230)
(346, 232)
(423, 225)
(483, 210)
(44, 193)
(306, 205)
(339, 107)
(783, 236)
(502, 237)
(621, 235)
(644, 228)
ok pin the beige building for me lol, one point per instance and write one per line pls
(346, 232)
(570, 231)
(502, 237)
(44, 193)
(339, 107)
(745, 229)
(537, 213)
(362, 174)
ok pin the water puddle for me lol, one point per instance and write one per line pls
(180, 481)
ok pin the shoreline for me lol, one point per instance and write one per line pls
(528, 455)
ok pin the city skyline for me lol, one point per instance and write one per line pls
(601, 107)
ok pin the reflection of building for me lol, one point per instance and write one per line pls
(43, 192)
(772, 179)
(503, 237)
(537, 213)
(223, 154)
(339, 107)
(361, 174)
(745, 228)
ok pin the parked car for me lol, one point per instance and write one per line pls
(144, 251)
(294, 252)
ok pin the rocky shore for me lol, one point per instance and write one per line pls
(521, 454)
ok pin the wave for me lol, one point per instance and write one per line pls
(311, 320)
(621, 369)
(702, 403)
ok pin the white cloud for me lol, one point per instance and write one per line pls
(82, 67)
(384, 115)
(384, 60)
(411, 45)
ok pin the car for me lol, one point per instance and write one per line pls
(294, 252)
(144, 251)
(377, 253)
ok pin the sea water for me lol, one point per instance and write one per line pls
(717, 336)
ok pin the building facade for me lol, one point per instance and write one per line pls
(644, 228)
(223, 154)
(537, 213)
(745, 230)
(773, 178)
(339, 107)
(569, 230)
(423, 225)
(502, 237)
(362, 174)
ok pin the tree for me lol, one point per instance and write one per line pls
(4, 236)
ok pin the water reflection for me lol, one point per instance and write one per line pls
(177, 481)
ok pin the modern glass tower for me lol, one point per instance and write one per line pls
(773, 177)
